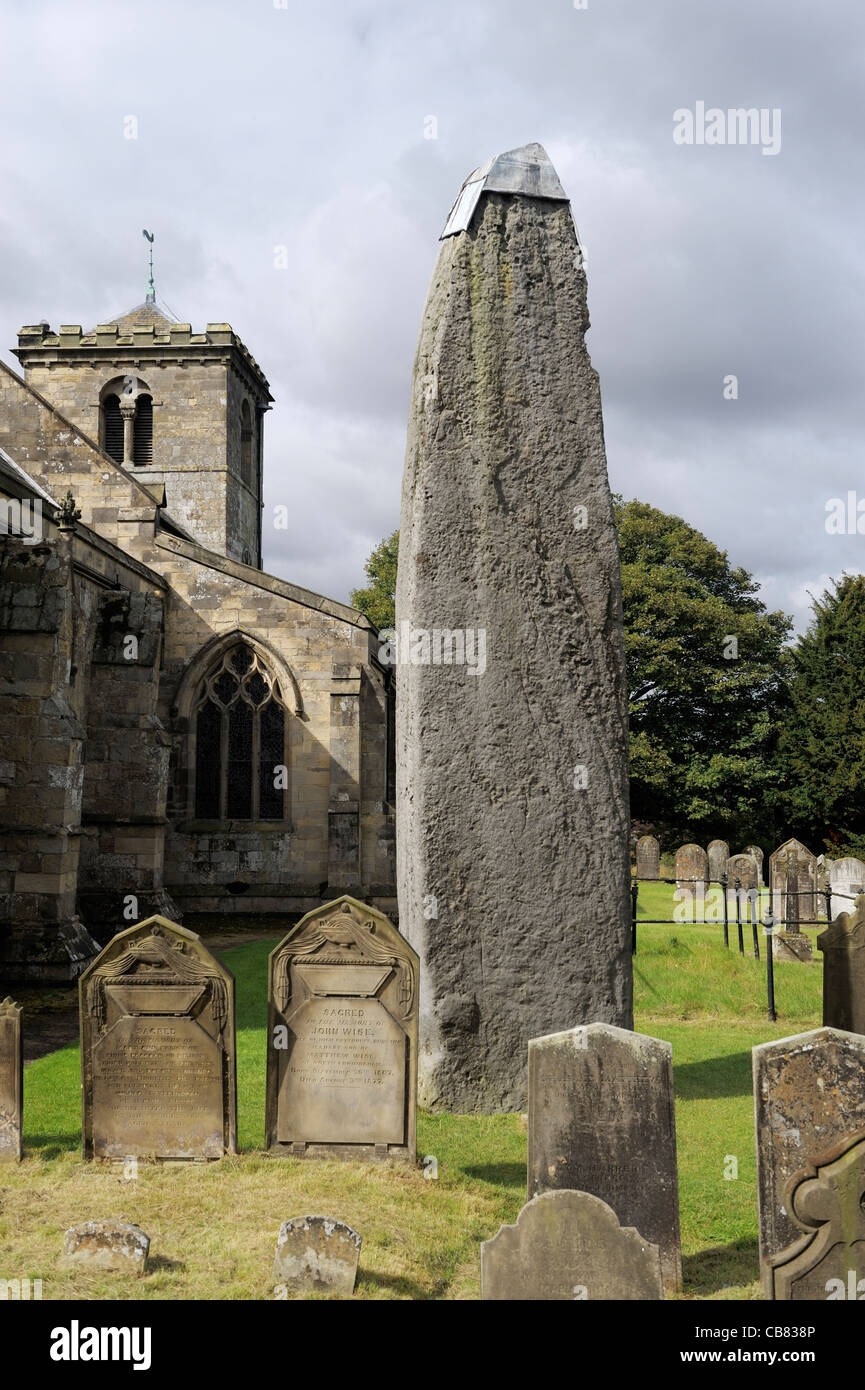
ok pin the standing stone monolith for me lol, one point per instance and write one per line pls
(718, 853)
(602, 1120)
(568, 1246)
(648, 857)
(809, 1109)
(756, 853)
(11, 1081)
(843, 947)
(158, 1073)
(512, 785)
(846, 882)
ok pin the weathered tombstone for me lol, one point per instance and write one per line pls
(114, 1245)
(508, 545)
(11, 1079)
(827, 1201)
(809, 1107)
(757, 854)
(846, 882)
(602, 1120)
(569, 1245)
(648, 857)
(791, 944)
(158, 1048)
(717, 856)
(692, 867)
(843, 947)
(316, 1254)
(806, 878)
(342, 1037)
(744, 868)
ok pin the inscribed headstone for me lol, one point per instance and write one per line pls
(648, 857)
(717, 856)
(316, 1254)
(692, 867)
(846, 881)
(11, 1074)
(744, 868)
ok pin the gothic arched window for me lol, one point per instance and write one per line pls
(240, 730)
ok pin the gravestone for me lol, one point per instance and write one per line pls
(791, 944)
(11, 1081)
(843, 947)
(757, 854)
(846, 881)
(744, 868)
(507, 539)
(648, 857)
(805, 907)
(601, 1120)
(692, 867)
(342, 1037)
(114, 1245)
(569, 1245)
(316, 1254)
(717, 856)
(809, 1107)
(827, 1201)
(158, 1048)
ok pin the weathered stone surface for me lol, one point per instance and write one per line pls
(692, 867)
(846, 881)
(809, 1105)
(843, 947)
(316, 1254)
(648, 857)
(757, 854)
(827, 1201)
(512, 800)
(343, 1029)
(569, 1245)
(158, 1048)
(791, 944)
(11, 1081)
(602, 1120)
(717, 855)
(744, 868)
(789, 906)
(114, 1245)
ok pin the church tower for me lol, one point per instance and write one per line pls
(182, 411)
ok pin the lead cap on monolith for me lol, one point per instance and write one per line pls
(512, 798)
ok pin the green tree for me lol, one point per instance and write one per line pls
(707, 672)
(378, 599)
(822, 742)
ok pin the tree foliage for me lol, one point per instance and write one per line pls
(378, 599)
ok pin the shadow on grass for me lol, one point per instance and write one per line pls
(501, 1174)
(50, 1145)
(159, 1263)
(714, 1077)
(723, 1267)
(398, 1284)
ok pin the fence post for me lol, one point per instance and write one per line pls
(769, 923)
(828, 893)
(634, 891)
(739, 917)
(726, 923)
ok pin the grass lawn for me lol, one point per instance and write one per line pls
(213, 1227)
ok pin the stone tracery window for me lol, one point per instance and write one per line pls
(240, 732)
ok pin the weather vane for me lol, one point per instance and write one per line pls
(151, 292)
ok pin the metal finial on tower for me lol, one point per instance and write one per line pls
(151, 292)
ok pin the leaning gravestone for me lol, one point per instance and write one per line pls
(601, 1120)
(316, 1254)
(744, 868)
(846, 882)
(11, 1078)
(648, 857)
(827, 1201)
(342, 1037)
(843, 947)
(809, 1107)
(158, 1048)
(804, 909)
(692, 867)
(508, 543)
(717, 856)
(565, 1246)
(757, 854)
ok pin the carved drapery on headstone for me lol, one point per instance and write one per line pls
(158, 1048)
(342, 1037)
(827, 1201)
(11, 1072)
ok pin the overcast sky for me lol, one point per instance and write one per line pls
(261, 127)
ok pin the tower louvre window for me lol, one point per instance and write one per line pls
(240, 734)
(113, 427)
(142, 439)
(246, 444)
